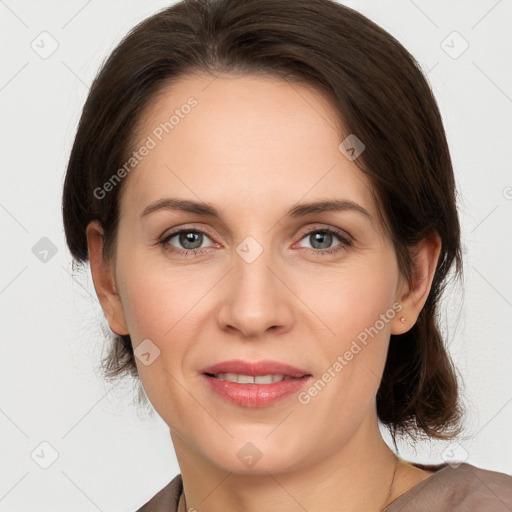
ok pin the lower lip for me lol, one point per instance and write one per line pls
(255, 395)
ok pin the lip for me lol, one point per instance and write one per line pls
(255, 395)
(255, 368)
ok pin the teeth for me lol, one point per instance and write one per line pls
(249, 379)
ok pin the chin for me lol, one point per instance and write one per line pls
(254, 455)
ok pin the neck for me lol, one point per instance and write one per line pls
(357, 476)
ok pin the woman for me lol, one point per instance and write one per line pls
(265, 194)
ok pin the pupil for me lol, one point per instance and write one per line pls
(187, 238)
(327, 236)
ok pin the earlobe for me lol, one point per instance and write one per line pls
(103, 279)
(413, 299)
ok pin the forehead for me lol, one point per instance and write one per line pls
(251, 140)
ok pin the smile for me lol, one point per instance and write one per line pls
(251, 379)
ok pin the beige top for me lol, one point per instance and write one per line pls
(464, 488)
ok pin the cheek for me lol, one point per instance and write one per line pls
(354, 297)
(149, 307)
(157, 299)
(358, 310)
(162, 304)
(156, 309)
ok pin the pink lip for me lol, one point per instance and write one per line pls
(255, 395)
(265, 367)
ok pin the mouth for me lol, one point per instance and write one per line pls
(252, 379)
(266, 371)
(254, 384)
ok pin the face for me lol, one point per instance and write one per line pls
(317, 290)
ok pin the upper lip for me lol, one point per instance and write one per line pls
(255, 368)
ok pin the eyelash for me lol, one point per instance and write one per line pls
(345, 242)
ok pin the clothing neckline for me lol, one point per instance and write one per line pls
(435, 469)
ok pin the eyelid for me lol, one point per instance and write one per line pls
(326, 227)
(193, 227)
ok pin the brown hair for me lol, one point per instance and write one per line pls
(378, 92)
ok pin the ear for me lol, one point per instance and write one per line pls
(104, 281)
(413, 297)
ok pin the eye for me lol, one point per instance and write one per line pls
(191, 239)
(323, 238)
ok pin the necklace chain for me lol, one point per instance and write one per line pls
(386, 503)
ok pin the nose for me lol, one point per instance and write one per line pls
(256, 297)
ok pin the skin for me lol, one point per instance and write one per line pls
(255, 147)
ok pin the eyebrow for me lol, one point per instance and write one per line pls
(300, 210)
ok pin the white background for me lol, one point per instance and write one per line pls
(109, 458)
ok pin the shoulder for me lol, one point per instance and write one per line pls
(165, 500)
(458, 488)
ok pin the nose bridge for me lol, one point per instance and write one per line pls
(257, 298)
(252, 260)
